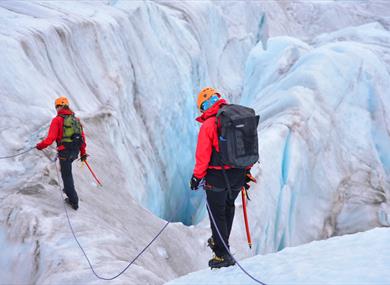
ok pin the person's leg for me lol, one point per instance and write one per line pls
(230, 210)
(67, 178)
(217, 204)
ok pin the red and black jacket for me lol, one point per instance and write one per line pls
(205, 167)
(207, 140)
(56, 131)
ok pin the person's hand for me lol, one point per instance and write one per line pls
(38, 146)
(84, 157)
(194, 183)
(249, 177)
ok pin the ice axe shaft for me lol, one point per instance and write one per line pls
(248, 234)
(93, 174)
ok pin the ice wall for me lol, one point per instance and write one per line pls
(324, 136)
(135, 67)
(131, 72)
(305, 19)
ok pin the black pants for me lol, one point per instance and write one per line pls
(66, 159)
(222, 208)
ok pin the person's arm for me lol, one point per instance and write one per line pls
(52, 135)
(203, 151)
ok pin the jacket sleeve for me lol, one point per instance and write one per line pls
(83, 146)
(203, 151)
(52, 135)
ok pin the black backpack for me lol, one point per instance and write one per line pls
(237, 136)
(72, 130)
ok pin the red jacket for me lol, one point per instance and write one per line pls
(207, 139)
(55, 133)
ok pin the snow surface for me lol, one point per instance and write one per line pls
(361, 258)
(132, 70)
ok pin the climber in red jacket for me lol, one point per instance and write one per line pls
(68, 133)
(209, 170)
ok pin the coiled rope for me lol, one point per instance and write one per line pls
(82, 249)
(15, 155)
(227, 249)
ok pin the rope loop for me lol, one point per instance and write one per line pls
(85, 254)
(145, 248)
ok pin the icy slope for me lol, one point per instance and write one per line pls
(137, 66)
(357, 259)
(325, 136)
(130, 72)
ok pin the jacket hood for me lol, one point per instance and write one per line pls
(65, 112)
(212, 111)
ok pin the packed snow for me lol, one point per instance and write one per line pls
(132, 70)
(359, 259)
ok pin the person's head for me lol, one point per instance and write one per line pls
(207, 97)
(61, 103)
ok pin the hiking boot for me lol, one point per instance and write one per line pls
(74, 206)
(211, 243)
(223, 261)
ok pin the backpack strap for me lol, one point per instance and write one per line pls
(219, 159)
(215, 157)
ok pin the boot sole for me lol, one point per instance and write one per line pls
(220, 266)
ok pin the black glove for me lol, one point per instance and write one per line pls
(84, 157)
(249, 177)
(194, 183)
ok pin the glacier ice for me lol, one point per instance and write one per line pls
(132, 82)
(132, 70)
(310, 99)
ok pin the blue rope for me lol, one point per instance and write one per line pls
(227, 249)
(146, 247)
(85, 254)
(15, 155)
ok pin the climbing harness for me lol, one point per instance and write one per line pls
(227, 249)
(15, 155)
(82, 249)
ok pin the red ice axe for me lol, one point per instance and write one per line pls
(248, 234)
(93, 174)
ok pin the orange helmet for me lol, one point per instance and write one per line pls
(62, 101)
(205, 94)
